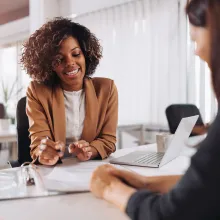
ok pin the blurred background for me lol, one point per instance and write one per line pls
(147, 52)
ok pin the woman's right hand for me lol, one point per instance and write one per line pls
(49, 151)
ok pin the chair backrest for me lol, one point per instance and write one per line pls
(23, 139)
(176, 112)
(2, 111)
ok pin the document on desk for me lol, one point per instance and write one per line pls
(71, 176)
(13, 185)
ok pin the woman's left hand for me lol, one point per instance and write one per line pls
(83, 150)
(106, 186)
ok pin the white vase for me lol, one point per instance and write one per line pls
(4, 124)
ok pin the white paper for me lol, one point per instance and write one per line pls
(71, 175)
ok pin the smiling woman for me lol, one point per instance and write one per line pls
(71, 76)
(65, 106)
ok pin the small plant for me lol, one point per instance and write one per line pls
(9, 93)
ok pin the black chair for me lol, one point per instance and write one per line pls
(2, 111)
(23, 140)
(176, 112)
(2, 115)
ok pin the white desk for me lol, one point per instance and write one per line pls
(10, 135)
(85, 205)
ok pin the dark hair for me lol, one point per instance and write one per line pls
(41, 48)
(206, 13)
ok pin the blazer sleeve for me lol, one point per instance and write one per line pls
(106, 140)
(196, 196)
(38, 123)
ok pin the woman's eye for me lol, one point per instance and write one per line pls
(76, 55)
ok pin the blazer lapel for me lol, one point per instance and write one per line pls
(92, 108)
(59, 121)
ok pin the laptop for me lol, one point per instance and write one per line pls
(154, 159)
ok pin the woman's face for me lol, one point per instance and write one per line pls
(202, 39)
(70, 65)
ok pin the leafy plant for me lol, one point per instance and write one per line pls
(8, 93)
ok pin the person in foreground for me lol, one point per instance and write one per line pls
(196, 195)
(65, 106)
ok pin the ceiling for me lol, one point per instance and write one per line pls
(11, 10)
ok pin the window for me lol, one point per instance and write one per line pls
(13, 80)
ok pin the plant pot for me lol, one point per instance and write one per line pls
(4, 124)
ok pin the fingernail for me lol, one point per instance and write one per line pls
(43, 141)
(42, 147)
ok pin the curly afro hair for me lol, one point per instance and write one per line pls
(41, 48)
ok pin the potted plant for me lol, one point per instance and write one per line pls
(8, 93)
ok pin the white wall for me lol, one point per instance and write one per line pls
(14, 31)
(41, 11)
(144, 52)
(21, 29)
(79, 7)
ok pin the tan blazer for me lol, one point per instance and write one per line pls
(46, 113)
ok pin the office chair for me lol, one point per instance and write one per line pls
(23, 140)
(2, 115)
(2, 111)
(176, 112)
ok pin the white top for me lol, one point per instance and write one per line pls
(75, 114)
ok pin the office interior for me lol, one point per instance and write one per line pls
(147, 51)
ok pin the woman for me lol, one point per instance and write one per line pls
(65, 106)
(197, 194)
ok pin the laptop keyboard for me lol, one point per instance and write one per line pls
(150, 158)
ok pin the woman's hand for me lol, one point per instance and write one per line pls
(83, 150)
(161, 184)
(110, 184)
(105, 186)
(49, 151)
(101, 179)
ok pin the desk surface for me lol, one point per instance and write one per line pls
(9, 135)
(85, 205)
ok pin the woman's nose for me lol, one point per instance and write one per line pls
(70, 61)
